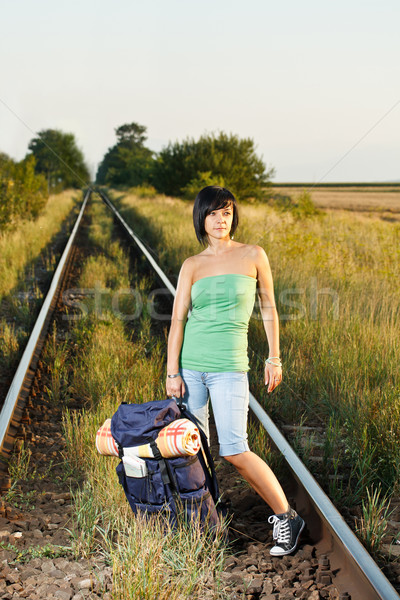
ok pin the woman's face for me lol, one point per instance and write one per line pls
(219, 222)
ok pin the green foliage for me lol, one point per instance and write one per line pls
(26, 554)
(144, 191)
(301, 206)
(213, 158)
(260, 443)
(59, 159)
(128, 162)
(191, 190)
(374, 521)
(19, 499)
(131, 133)
(22, 193)
(87, 515)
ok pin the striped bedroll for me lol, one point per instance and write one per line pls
(179, 438)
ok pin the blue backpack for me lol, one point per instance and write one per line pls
(184, 486)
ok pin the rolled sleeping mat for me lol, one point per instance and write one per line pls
(179, 438)
(105, 442)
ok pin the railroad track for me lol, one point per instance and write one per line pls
(333, 559)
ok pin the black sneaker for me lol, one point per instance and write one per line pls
(286, 533)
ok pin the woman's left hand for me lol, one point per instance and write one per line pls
(273, 376)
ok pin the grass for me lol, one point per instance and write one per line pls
(111, 360)
(23, 251)
(19, 466)
(336, 286)
(374, 521)
(22, 246)
(383, 199)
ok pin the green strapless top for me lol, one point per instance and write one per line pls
(215, 335)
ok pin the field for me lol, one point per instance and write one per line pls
(382, 199)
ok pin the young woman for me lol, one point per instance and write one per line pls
(207, 353)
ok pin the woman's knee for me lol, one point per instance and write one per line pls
(236, 459)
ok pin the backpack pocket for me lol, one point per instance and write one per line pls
(144, 490)
(200, 507)
(189, 473)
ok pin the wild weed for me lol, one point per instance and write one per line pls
(9, 345)
(19, 466)
(373, 524)
(86, 517)
(24, 555)
(56, 352)
(19, 499)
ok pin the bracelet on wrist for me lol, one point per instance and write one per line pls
(271, 360)
(175, 375)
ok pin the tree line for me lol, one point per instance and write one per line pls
(182, 168)
(54, 162)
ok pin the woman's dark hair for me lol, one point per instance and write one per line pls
(212, 197)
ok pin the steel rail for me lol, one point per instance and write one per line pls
(151, 260)
(362, 577)
(9, 409)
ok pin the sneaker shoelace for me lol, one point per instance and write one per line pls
(281, 531)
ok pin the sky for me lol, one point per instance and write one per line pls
(315, 84)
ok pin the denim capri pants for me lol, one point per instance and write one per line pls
(229, 394)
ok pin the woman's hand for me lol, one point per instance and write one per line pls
(273, 376)
(175, 387)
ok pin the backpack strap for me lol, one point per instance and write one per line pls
(167, 473)
(209, 467)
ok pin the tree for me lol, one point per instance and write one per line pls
(59, 159)
(22, 193)
(131, 134)
(180, 166)
(128, 162)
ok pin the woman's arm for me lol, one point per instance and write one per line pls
(175, 385)
(273, 374)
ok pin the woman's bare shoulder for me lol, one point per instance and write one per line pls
(253, 251)
(188, 267)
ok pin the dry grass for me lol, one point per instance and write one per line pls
(21, 251)
(22, 246)
(382, 199)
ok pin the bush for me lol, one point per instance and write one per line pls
(144, 191)
(300, 207)
(181, 167)
(191, 190)
(22, 193)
